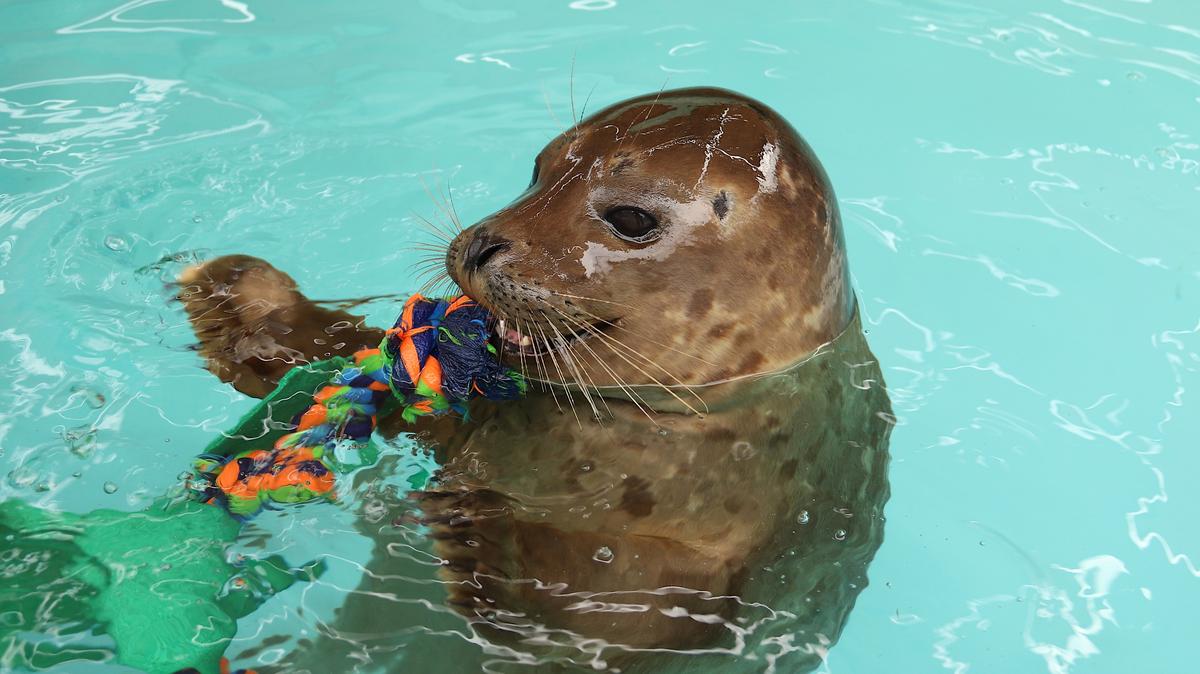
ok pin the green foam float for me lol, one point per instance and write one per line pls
(162, 583)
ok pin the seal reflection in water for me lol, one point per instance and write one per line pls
(704, 471)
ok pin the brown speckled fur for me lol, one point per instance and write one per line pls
(752, 287)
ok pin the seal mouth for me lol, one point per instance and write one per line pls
(510, 339)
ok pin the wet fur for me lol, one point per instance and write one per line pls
(701, 512)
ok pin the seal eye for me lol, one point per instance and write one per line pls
(632, 224)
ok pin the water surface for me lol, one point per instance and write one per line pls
(1019, 182)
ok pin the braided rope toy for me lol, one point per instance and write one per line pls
(432, 361)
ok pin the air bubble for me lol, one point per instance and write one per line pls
(93, 398)
(110, 487)
(803, 517)
(116, 243)
(604, 555)
(839, 535)
(81, 440)
(593, 5)
(22, 477)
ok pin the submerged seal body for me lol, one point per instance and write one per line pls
(704, 466)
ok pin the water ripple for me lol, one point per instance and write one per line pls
(118, 21)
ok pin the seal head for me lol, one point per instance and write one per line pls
(687, 237)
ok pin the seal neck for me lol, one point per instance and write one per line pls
(849, 347)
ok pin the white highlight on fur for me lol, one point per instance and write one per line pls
(768, 165)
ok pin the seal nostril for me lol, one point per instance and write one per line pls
(487, 253)
(482, 248)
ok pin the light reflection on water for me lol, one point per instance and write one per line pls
(1018, 184)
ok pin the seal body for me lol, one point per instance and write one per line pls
(703, 468)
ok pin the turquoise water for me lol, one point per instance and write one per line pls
(1019, 182)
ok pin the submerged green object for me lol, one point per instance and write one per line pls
(162, 582)
(271, 418)
(159, 582)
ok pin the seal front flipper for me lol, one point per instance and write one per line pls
(254, 325)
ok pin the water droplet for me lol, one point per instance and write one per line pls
(110, 487)
(22, 477)
(93, 398)
(839, 535)
(593, 5)
(197, 218)
(604, 555)
(1134, 76)
(803, 517)
(742, 450)
(81, 440)
(116, 243)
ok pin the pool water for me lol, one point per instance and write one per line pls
(1019, 183)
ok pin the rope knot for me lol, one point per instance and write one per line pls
(432, 361)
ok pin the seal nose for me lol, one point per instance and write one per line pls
(483, 247)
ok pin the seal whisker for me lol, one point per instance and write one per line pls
(430, 269)
(571, 96)
(590, 299)
(634, 396)
(583, 110)
(430, 246)
(524, 330)
(441, 234)
(636, 399)
(631, 349)
(550, 108)
(610, 341)
(438, 278)
(566, 389)
(440, 206)
(592, 383)
(616, 325)
(649, 109)
(570, 358)
(449, 199)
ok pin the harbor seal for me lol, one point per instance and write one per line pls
(700, 466)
